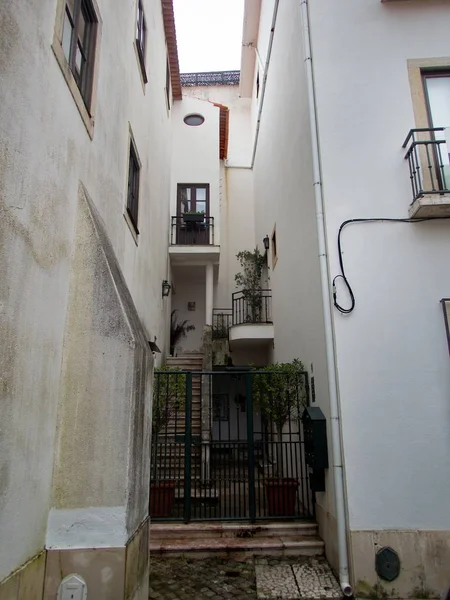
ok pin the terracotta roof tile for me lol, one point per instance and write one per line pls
(171, 38)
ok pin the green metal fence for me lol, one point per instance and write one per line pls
(229, 445)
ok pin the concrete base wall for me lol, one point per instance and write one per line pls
(119, 573)
(424, 558)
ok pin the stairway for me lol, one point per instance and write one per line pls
(237, 541)
(171, 453)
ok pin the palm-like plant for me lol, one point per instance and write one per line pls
(178, 330)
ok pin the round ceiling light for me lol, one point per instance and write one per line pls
(194, 120)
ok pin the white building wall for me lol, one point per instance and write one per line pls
(394, 372)
(195, 157)
(45, 152)
(284, 197)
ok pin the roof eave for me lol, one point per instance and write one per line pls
(172, 50)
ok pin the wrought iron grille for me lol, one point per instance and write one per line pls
(211, 78)
(252, 307)
(232, 447)
(222, 321)
(429, 161)
(190, 233)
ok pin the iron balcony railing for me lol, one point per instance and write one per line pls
(252, 307)
(222, 321)
(192, 230)
(428, 160)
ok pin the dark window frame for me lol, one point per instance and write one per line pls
(432, 73)
(192, 186)
(84, 77)
(134, 172)
(273, 239)
(141, 38)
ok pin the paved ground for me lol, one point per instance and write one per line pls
(216, 579)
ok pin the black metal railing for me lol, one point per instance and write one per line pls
(192, 230)
(222, 321)
(229, 446)
(252, 306)
(428, 160)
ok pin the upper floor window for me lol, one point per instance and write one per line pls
(78, 43)
(141, 38)
(134, 169)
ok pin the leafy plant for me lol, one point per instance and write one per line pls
(279, 392)
(249, 280)
(178, 330)
(194, 212)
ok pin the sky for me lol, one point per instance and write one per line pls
(209, 34)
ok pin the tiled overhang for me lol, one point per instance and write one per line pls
(171, 39)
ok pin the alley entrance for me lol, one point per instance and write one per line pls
(229, 445)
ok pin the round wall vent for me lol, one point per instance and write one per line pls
(194, 120)
(387, 564)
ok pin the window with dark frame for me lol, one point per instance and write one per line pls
(133, 186)
(168, 83)
(274, 248)
(141, 38)
(78, 43)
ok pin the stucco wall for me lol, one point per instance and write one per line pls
(190, 287)
(284, 196)
(45, 152)
(394, 370)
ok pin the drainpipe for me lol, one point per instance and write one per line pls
(263, 89)
(326, 301)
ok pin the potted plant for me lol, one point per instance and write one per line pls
(249, 281)
(194, 216)
(279, 393)
(178, 330)
(169, 395)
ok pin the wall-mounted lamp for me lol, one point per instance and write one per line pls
(266, 242)
(166, 287)
(153, 346)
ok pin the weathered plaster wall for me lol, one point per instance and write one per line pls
(190, 287)
(45, 152)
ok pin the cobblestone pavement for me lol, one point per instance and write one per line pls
(260, 578)
(207, 579)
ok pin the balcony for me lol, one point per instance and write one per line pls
(428, 157)
(248, 323)
(192, 240)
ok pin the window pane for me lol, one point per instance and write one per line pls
(200, 206)
(67, 36)
(438, 89)
(81, 27)
(201, 194)
(78, 58)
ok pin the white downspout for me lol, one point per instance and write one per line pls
(263, 90)
(326, 302)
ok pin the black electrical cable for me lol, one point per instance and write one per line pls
(342, 275)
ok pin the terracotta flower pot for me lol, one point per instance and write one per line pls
(282, 496)
(162, 498)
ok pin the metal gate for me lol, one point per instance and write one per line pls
(229, 445)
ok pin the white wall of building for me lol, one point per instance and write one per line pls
(284, 197)
(189, 286)
(45, 152)
(195, 156)
(394, 370)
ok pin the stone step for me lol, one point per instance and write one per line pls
(236, 548)
(212, 529)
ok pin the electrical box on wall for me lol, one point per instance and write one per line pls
(316, 447)
(72, 587)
